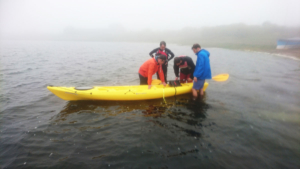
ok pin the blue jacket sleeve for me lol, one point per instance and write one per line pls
(199, 69)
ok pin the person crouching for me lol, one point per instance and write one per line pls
(186, 66)
(149, 68)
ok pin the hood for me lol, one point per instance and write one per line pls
(205, 52)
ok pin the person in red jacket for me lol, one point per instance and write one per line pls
(149, 68)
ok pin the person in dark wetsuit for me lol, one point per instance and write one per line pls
(187, 68)
(162, 50)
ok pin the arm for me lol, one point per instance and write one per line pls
(192, 65)
(170, 53)
(153, 51)
(176, 70)
(161, 74)
(150, 73)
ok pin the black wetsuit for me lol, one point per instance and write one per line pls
(170, 56)
(187, 70)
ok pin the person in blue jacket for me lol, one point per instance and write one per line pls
(202, 69)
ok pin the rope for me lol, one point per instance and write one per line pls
(175, 91)
(164, 95)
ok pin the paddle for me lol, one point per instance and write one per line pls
(221, 77)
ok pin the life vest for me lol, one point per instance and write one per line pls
(184, 64)
(162, 52)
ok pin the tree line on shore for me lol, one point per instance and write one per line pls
(236, 36)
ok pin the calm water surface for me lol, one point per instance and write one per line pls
(250, 121)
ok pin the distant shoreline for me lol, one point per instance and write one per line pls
(269, 49)
(292, 53)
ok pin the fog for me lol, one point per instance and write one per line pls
(134, 20)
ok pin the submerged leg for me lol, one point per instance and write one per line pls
(143, 80)
(195, 93)
(201, 92)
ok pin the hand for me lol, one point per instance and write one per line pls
(164, 83)
(166, 63)
(195, 79)
(149, 86)
(190, 80)
(176, 78)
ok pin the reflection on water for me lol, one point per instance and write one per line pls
(180, 116)
(181, 108)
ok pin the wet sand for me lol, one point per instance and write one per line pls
(287, 52)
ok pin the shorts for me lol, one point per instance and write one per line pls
(184, 77)
(199, 84)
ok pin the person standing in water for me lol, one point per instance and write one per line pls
(162, 50)
(202, 69)
(149, 68)
(186, 66)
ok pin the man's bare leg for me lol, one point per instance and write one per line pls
(195, 93)
(201, 92)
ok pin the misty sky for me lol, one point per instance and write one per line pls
(53, 16)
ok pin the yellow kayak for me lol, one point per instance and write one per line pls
(121, 93)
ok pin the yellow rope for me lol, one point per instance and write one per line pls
(164, 95)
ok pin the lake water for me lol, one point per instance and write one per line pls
(250, 121)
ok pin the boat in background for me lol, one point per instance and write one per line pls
(288, 43)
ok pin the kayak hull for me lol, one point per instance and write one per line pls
(121, 93)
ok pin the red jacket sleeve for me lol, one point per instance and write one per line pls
(150, 73)
(161, 74)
